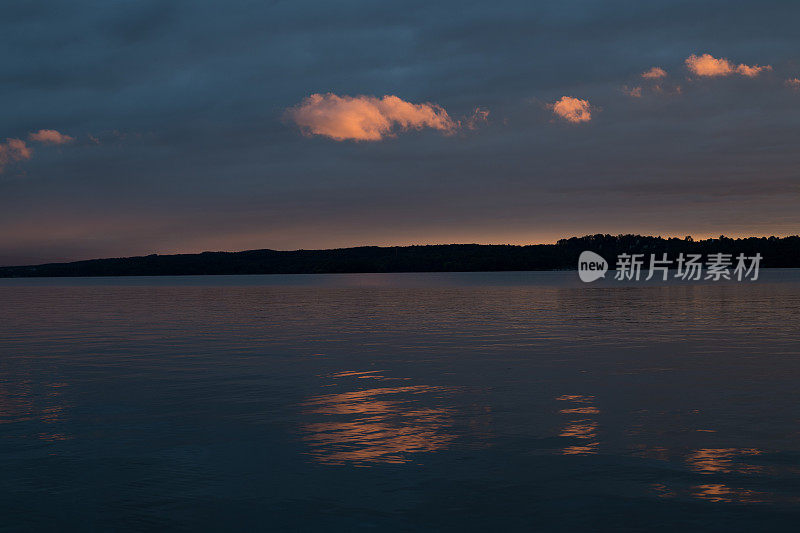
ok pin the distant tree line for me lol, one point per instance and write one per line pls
(777, 252)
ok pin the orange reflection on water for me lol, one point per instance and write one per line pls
(662, 491)
(722, 460)
(588, 410)
(584, 429)
(717, 492)
(720, 493)
(588, 449)
(576, 398)
(53, 437)
(380, 425)
(371, 374)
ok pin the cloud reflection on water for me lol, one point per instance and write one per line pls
(723, 460)
(584, 429)
(382, 424)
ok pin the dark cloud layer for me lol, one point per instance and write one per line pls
(180, 142)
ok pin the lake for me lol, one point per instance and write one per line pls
(399, 402)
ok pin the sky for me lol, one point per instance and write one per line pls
(139, 127)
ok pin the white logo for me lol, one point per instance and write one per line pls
(591, 266)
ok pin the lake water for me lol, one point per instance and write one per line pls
(466, 401)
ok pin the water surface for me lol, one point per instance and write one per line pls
(465, 401)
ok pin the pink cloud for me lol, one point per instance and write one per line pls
(572, 109)
(366, 118)
(13, 150)
(793, 83)
(654, 73)
(707, 65)
(50, 137)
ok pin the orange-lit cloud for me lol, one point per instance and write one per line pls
(793, 83)
(13, 150)
(707, 65)
(366, 118)
(666, 89)
(751, 71)
(572, 109)
(479, 116)
(654, 73)
(635, 92)
(50, 137)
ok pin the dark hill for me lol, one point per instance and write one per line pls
(777, 252)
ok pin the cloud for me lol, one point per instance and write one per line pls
(50, 137)
(635, 92)
(668, 89)
(751, 71)
(572, 109)
(366, 118)
(793, 83)
(707, 65)
(480, 115)
(654, 73)
(13, 150)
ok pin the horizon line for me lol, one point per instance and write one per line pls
(689, 238)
